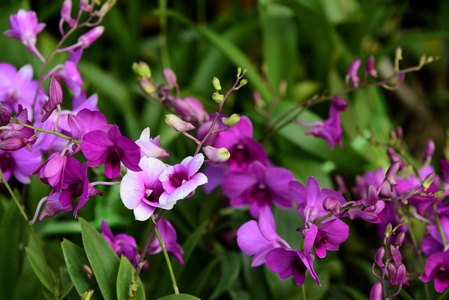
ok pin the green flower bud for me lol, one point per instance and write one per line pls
(239, 71)
(177, 124)
(141, 69)
(428, 181)
(439, 193)
(388, 230)
(216, 83)
(232, 120)
(216, 155)
(218, 98)
(147, 86)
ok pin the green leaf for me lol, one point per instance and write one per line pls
(9, 252)
(179, 297)
(102, 258)
(66, 283)
(230, 269)
(39, 268)
(230, 50)
(279, 33)
(75, 258)
(124, 278)
(190, 244)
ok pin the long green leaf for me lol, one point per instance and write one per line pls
(230, 269)
(125, 275)
(75, 258)
(9, 252)
(39, 268)
(230, 50)
(102, 258)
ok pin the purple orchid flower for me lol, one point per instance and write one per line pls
(181, 180)
(258, 238)
(140, 191)
(121, 243)
(17, 87)
(329, 129)
(190, 109)
(110, 148)
(432, 243)
(352, 75)
(76, 184)
(327, 236)
(25, 27)
(437, 269)
(150, 147)
(51, 172)
(258, 187)
(86, 121)
(52, 206)
(169, 237)
(290, 262)
(20, 163)
(310, 200)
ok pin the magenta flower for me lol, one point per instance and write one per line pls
(290, 262)
(310, 200)
(327, 236)
(190, 109)
(110, 148)
(121, 243)
(181, 180)
(150, 147)
(432, 243)
(169, 237)
(369, 68)
(55, 99)
(140, 191)
(51, 172)
(258, 187)
(76, 184)
(373, 214)
(25, 27)
(71, 76)
(329, 129)
(53, 205)
(437, 269)
(17, 87)
(352, 73)
(20, 163)
(258, 238)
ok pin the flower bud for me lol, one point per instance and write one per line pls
(340, 103)
(105, 8)
(142, 70)
(239, 71)
(428, 181)
(369, 68)
(243, 82)
(439, 193)
(216, 83)
(376, 292)
(169, 76)
(177, 124)
(429, 150)
(218, 98)
(400, 133)
(331, 204)
(5, 116)
(216, 155)
(407, 194)
(88, 270)
(388, 230)
(379, 256)
(66, 13)
(390, 176)
(371, 198)
(147, 87)
(13, 144)
(91, 36)
(231, 121)
(54, 99)
(399, 240)
(352, 75)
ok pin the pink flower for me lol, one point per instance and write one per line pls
(24, 27)
(181, 180)
(140, 191)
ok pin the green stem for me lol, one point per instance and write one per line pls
(167, 259)
(443, 295)
(440, 228)
(303, 291)
(405, 295)
(50, 132)
(33, 233)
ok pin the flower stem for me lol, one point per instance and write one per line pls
(440, 228)
(50, 132)
(167, 259)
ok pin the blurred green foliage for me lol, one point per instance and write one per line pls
(292, 49)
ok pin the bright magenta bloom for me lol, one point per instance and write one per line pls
(25, 27)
